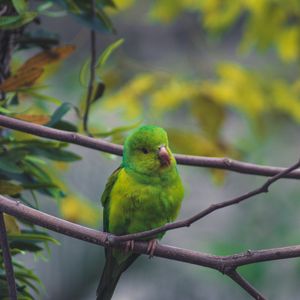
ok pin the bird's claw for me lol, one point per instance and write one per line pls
(129, 246)
(151, 247)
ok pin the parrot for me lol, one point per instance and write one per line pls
(144, 193)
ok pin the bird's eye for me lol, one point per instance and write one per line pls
(144, 150)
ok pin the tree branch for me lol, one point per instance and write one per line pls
(187, 222)
(244, 284)
(102, 145)
(92, 73)
(19, 210)
(9, 270)
(221, 263)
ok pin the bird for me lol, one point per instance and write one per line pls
(144, 193)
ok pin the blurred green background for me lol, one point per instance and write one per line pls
(222, 77)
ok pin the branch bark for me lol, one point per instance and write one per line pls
(102, 145)
(9, 270)
(19, 210)
(244, 284)
(220, 263)
(187, 222)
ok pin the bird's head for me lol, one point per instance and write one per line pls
(146, 151)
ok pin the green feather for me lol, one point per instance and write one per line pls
(145, 192)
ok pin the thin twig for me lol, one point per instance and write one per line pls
(92, 73)
(243, 283)
(9, 270)
(102, 145)
(187, 222)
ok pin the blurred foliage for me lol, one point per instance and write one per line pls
(216, 16)
(30, 166)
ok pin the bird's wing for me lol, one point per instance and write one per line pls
(105, 198)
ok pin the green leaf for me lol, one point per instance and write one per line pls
(59, 113)
(107, 52)
(20, 5)
(29, 284)
(34, 170)
(27, 274)
(109, 3)
(35, 237)
(13, 252)
(85, 69)
(14, 22)
(54, 14)
(64, 125)
(44, 6)
(25, 246)
(58, 154)
(84, 73)
(82, 11)
(35, 159)
(30, 91)
(9, 166)
(34, 186)
(104, 19)
(4, 111)
(98, 91)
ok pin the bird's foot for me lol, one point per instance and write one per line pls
(129, 246)
(151, 247)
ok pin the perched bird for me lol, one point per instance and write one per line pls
(145, 192)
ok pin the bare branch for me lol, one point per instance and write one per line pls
(224, 264)
(9, 270)
(92, 74)
(102, 145)
(187, 222)
(244, 284)
(19, 210)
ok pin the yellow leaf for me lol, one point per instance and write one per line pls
(11, 224)
(172, 94)
(286, 99)
(123, 4)
(37, 119)
(165, 10)
(210, 116)
(288, 43)
(78, 210)
(9, 188)
(128, 98)
(200, 145)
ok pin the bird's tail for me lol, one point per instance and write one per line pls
(111, 274)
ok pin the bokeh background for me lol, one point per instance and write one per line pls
(223, 78)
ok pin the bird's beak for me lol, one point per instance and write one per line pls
(164, 156)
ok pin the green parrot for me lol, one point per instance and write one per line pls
(145, 192)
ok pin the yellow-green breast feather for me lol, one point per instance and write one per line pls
(136, 205)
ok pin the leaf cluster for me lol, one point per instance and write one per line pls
(28, 166)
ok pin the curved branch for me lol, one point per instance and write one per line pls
(102, 145)
(189, 221)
